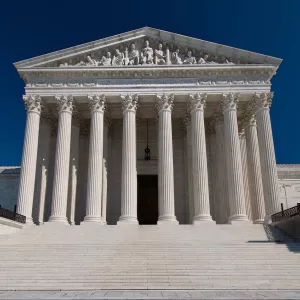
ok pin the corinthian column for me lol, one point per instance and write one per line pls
(74, 164)
(197, 104)
(29, 157)
(129, 176)
(233, 155)
(94, 184)
(43, 165)
(62, 160)
(267, 153)
(254, 170)
(221, 186)
(166, 203)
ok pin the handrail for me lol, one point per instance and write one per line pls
(287, 213)
(12, 215)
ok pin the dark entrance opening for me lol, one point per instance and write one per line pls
(147, 206)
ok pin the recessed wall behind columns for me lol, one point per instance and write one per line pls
(145, 167)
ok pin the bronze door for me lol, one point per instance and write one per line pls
(147, 199)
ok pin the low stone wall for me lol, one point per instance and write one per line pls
(8, 226)
(290, 226)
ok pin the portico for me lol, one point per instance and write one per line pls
(206, 123)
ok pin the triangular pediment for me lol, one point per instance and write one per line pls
(146, 47)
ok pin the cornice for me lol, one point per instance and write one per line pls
(133, 72)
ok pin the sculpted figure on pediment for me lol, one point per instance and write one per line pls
(118, 59)
(159, 56)
(203, 60)
(176, 60)
(92, 62)
(147, 54)
(133, 56)
(80, 64)
(106, 60)
(189, 59)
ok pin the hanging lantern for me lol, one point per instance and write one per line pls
(147, 150)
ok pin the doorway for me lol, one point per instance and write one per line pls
(147, 206)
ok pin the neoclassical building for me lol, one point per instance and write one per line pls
(148, 127)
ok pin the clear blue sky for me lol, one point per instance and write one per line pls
(31, 28)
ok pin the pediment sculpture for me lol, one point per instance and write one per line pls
(144, 53)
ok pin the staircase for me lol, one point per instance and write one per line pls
(89, 257)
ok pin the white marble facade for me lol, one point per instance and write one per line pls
(206, 107)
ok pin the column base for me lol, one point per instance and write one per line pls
(128, 220)
(29, 221)
(202, 218)
(167, 219)
(258, 222)
(92, 219)
(238, 219)
(58, 219)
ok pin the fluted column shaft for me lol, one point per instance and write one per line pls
(234, 164)
(254, 172)
(129, 175)
(43, 165)
(104, 175)
(213, 172)
(62, 160)
(221, 190)
(95, 164)
(243, 148)
(200, 175)
(29, 157)
(166, 203)
(74, 165)
(267, 153)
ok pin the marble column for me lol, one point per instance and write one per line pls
(166, 204)
(189, 164)
(74, 165)
(243, 148)
(29, 157)
(267, 153)
(105, 166)
(62, 160)
(233, 158)
(197, 104)
(254, 170)
(94, 184)
(221, 190)
(43, 165)
(129, 174)
(213, 172)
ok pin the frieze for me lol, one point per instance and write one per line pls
(143, 82)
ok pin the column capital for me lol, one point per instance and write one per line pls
(65, 103)
(83, 129)
(129, 103)
(229, 101)
(97, 103)
(241, 129)
(46, 118)
(217, 119)
(210, 126)
(197, 102)
(248, 119)
(165, 102)
(186, 121)
(262, 101)
(32, 103)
